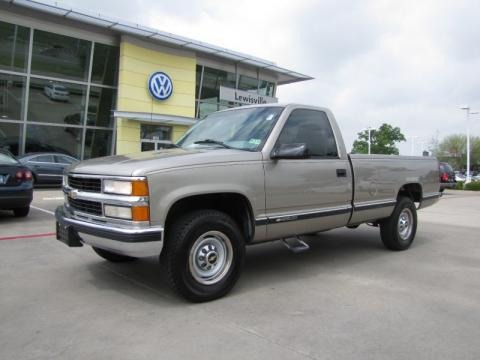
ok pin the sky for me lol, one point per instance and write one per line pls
(411, 64)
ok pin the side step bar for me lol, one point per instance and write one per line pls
(296, 245)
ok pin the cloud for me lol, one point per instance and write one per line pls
(408, 63)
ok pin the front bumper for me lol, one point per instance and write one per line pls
(136, 242)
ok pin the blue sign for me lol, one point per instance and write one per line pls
(160, 85)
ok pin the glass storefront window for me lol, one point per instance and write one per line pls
(198, 77)
(97, 143)
(12, 96)
(206, 109)
(105, 64)
(56, 102)
(266, 88)
(66, 140)
(248, 83)
(11, 137)
(14, 42)
(60, 56)
(100, 106)
(212, 80)
(155, 132)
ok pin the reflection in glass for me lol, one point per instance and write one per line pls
(266, 88)
(60, 56)
(14, 41)
(97, 143)
(155, 132)
(12, 96)
(105, 64)
(198, 77)
(56, 102)
(66, 140)
(100, 106)
(212, 80)
(206, 109)
(248, 83)
(11, 137)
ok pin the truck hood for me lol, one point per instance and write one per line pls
(147, 162)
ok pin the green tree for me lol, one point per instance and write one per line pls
(382, 140)
(453, 149)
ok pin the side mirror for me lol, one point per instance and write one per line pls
(290, 151)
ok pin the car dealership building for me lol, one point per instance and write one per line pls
(89, 85)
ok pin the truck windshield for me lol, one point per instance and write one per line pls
(242, 129)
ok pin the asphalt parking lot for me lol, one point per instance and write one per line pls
(346, 298)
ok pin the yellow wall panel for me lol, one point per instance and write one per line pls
(137, 63)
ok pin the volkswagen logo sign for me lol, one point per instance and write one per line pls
(160, 85)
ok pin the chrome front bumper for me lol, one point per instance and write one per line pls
(136, 242)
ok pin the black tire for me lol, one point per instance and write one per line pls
(216, 236)
(396, 236)
(21, 212)
(113, 257)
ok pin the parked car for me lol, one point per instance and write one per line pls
(56, 92)
(459, 176)
(447, 177)
(15, 185)
(47, 168)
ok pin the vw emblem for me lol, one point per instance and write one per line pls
(160, 85)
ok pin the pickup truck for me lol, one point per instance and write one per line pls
(239, 177)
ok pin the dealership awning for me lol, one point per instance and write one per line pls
(284, 76)
(154, 118)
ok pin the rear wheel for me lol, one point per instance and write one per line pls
(398, 231)
(113, 257)
(21, 212)
(203, 255)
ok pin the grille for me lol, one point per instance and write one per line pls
(85, 184)
(86, 206)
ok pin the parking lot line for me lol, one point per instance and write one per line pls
(18, 237)
(40, 209)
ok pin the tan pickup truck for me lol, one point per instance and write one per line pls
(240, 177)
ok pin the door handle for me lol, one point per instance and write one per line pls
(341, 173)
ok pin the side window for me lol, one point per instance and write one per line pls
(42, 158)
(63, 159)
(312, 128)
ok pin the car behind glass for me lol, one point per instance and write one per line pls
(47, 168)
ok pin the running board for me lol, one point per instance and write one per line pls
(296, 245)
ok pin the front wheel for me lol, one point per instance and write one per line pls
(398, 231)
(203, 255)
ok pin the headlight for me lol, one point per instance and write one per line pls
(135, 213)
(120, 212)
(124, 187)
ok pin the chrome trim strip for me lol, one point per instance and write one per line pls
(303, 215)
(108, 177)
(105, 198)
(431, 195)
(101, 220)
(125, 231)
(370, 205)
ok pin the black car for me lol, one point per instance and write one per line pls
(447, 177)
(47, 168)
(15, 185)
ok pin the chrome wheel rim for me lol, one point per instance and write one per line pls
(405, 224)
(210, 257)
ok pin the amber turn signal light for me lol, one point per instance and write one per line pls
(140, 188)
(140, 213)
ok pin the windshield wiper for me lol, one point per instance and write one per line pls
(211, 141)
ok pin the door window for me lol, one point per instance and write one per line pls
(43, 158)
(312, 128)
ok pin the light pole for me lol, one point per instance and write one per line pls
(369, 129)
(468, 113)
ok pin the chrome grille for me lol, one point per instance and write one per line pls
(86, 206)
(85, 184)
